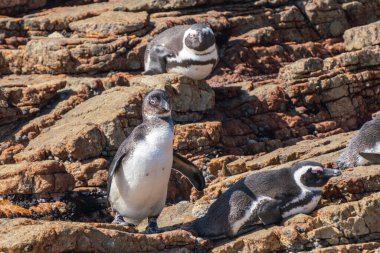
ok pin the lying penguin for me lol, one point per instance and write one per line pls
(264, 197)
(363, 148)
(187, 50)
(139, 174)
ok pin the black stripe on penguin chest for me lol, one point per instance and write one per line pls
(189, 63)
(300, 203)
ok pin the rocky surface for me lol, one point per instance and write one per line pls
(295, 80)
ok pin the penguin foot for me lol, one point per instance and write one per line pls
(152, 227)
(153, 230)
(119, 220)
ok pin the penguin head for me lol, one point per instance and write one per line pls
(313, 174)
(156, 104)
(199, 37)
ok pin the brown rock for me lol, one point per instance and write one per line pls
(9, 210)
(327, 16)
(37, 177)
(300, 68)
(197, 136)
(353, 184)
(59, 18)
(352, 60)
(14, 6)
(24, 96)
(38, 236)
(356, 218)
(158, 5)
(111, 22)
(362, 36)
(217, 166)
(89, 173)
(89, 128)
(186, 95)
(63, 55)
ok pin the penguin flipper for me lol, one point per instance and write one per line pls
(189, 170)
(114, 165)
(155, 62)
(269, 212)
(372, 157)
(126, 148)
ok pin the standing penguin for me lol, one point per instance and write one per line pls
(265, 197)
(139, 173)
(363, 148)
(187, 50)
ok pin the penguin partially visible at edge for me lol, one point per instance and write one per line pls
(139, 173)
(264, 197)
(364, 148)
(187, 50)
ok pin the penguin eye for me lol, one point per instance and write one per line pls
(153, 101)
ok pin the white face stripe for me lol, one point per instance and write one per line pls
(248, 213)
(305, 190)
(298, 174)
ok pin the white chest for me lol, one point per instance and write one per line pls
(196, 72)
(140, 186)
(201, 66)
(375, 149)
(151, 155)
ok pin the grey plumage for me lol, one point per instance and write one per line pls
(264, 198)
(366, 141)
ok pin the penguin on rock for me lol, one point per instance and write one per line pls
(264, 198)
(139, 173)
(189, 50)
(364, 148)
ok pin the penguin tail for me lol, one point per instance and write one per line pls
(199, 229)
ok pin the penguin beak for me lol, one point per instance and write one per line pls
(165, 105)
(331, 172)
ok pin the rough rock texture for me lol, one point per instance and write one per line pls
(294, 82)
(39, 177)
(112, 22)
(9, 6)
(362, 36)
(86, 237)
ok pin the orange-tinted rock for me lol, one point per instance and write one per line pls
(37, 177)
(9, 210)
(197, 136)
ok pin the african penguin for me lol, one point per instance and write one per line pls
(186, 50)
(139, 173)
(364, 148)
(264, 198)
